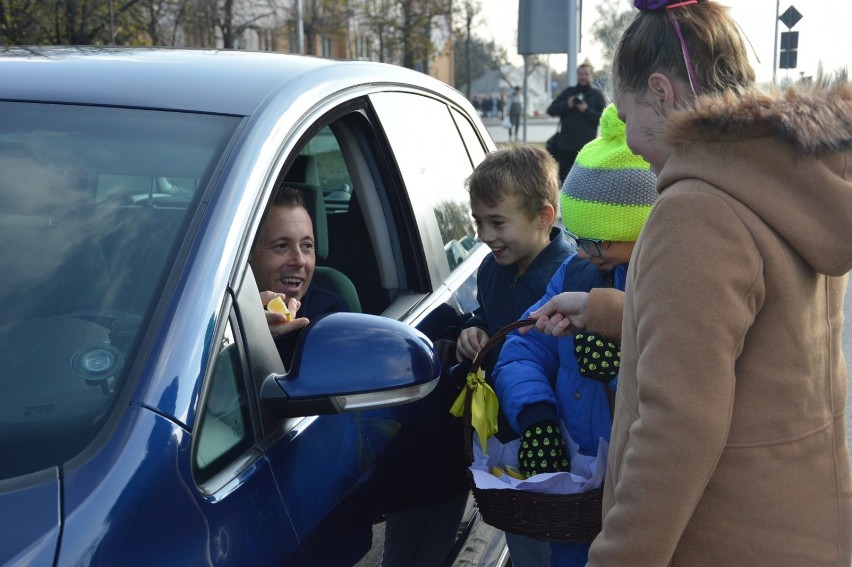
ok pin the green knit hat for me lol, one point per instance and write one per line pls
(609, 191)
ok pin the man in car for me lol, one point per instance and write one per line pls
(283, 261)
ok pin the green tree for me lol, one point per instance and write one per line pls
(454, 220)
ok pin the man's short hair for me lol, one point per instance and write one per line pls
(524, 170)
(286, 196)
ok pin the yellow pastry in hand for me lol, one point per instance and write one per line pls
(277, 305)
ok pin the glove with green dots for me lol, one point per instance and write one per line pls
(542, 450)
(597, 357)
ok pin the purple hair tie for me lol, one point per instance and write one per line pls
(656, 5)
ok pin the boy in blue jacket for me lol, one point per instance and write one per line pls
(514, 194)
(605, 201)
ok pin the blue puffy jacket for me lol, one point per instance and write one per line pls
(536, 377)
(539, 373)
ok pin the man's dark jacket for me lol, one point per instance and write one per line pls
(576, 128)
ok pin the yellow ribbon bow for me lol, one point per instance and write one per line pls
(483, 406)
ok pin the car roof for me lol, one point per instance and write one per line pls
(218, 81)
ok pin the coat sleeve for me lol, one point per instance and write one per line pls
(605, 311)
(559, 106)
(528, 364)
(596, 108)
(696, 289)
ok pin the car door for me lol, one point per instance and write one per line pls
(387, 233)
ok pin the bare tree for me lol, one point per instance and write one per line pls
(470, 10)
(21, 22)
(613, 17)
(403, 28)
(323, 16)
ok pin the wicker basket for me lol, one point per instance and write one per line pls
(564, 518)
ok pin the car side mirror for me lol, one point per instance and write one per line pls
(352, 362)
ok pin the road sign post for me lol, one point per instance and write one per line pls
(787, 56)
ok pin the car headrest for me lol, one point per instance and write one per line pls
(303, 170)
(315, 206)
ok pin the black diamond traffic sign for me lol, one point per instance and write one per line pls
(790, 17)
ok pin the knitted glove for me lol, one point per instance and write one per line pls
(597, 357)
(542, 450)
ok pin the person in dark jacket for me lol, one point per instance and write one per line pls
(579, 110)
(513, 195)
(539, 379)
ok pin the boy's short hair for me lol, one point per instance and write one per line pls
(524, 170)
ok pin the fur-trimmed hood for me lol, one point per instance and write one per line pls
(813, 118)
(786, 154)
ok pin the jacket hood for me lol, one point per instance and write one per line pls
(787, 155)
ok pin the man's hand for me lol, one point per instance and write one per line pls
(470, 342)
(562, 315)
(277, 322)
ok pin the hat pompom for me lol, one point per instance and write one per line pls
(609, 191)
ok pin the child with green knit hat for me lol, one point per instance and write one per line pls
(547, 385)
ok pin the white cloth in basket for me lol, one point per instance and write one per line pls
(587, 473)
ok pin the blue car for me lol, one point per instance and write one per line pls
(147, 417)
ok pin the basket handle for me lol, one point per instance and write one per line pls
(498, 336)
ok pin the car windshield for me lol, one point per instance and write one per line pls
(94, 203)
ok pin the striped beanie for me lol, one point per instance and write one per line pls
(609, 191)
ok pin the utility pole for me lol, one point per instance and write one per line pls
(775, 48)
(573, 40)
(300, 27)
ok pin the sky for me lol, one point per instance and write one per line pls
(825, 33)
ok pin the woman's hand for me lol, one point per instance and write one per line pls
(562, 315)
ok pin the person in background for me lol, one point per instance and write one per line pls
(729, 442)
(516, 108)
(513, 198)
(283, 261)
(579, 109)
(539, 379)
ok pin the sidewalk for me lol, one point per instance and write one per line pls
(538, 129)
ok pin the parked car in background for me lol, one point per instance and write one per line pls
(146, 417)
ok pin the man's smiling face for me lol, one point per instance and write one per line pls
(284, 257)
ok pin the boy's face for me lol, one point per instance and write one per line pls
(611, 255)
(284, 258)
(513, 237)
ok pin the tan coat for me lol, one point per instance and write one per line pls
(729, 443)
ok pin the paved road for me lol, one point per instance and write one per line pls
(538, 129)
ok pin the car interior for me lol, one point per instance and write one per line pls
(326, 277)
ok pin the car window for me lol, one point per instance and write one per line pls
(94, 203)
(434, 167)
(327, 169)
(225, 429)
(364, 234)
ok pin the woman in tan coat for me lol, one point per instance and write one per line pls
(729, 443)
